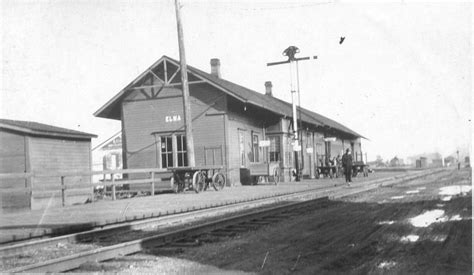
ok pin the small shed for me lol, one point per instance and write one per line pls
(31, 147)
(422, 162)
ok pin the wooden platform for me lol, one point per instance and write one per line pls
(17, 225)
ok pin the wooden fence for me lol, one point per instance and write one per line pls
(155, 175)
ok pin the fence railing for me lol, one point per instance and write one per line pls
(154, 175)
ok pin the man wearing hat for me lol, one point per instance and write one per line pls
(347, 165)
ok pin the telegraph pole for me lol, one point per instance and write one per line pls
(185, 86)
(459, 164)
(290, 53)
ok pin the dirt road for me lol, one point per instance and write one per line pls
(423, 226)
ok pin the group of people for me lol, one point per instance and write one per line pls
(345, 163)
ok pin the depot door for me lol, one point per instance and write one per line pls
(242, 154)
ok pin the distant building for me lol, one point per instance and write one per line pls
(421, 162)
(450, 161)
(395, 162)
(108, 156)
(42, 149)
(428, 156)
(401, 162)
(437, 163)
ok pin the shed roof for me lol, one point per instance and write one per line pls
(269, 103)
(40, 129)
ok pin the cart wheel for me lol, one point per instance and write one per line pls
(198, 182)
(174, 185)
(276, 175)
(206, 180)
(218, 181)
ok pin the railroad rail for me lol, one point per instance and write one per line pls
(172, 235)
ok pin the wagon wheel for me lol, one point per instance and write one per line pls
(199, 182)
(276, 175)
(205, 179)
(218, 181)
(174, 185)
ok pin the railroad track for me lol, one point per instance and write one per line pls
(170, 218)
(111, 249)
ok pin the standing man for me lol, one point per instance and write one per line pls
(347, 164)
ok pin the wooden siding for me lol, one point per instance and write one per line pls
(49, 155)
(319, 148)
(57, 155)
(12, 154)
(143, 117)
(208, 132)
(208, 108)
(248, 125)
(13, 159)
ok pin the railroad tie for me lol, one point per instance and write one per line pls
(186, 243)
(223, 233)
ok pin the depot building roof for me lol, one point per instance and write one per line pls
(270, 103)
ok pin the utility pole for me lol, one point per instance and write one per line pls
(459, 164)
(185, 86)
(299, 114)
(290, 53)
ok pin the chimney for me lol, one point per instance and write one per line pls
(268, 88)
(216, 67)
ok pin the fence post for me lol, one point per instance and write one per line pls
(114, 197)
(152, 183)
(63, 189)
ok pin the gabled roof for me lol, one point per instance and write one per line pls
(113, 142)
(269, 103)
(40, 129)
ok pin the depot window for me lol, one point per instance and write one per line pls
(166, 152)
(275, 148)
(255, 155)
(181, 151)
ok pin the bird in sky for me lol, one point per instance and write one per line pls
(342, 39)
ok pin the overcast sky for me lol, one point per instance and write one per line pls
(402, 76)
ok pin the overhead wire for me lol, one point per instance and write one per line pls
(244, 8)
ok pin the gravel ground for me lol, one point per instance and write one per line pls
(410, 228)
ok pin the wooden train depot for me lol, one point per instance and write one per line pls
(246, 132)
